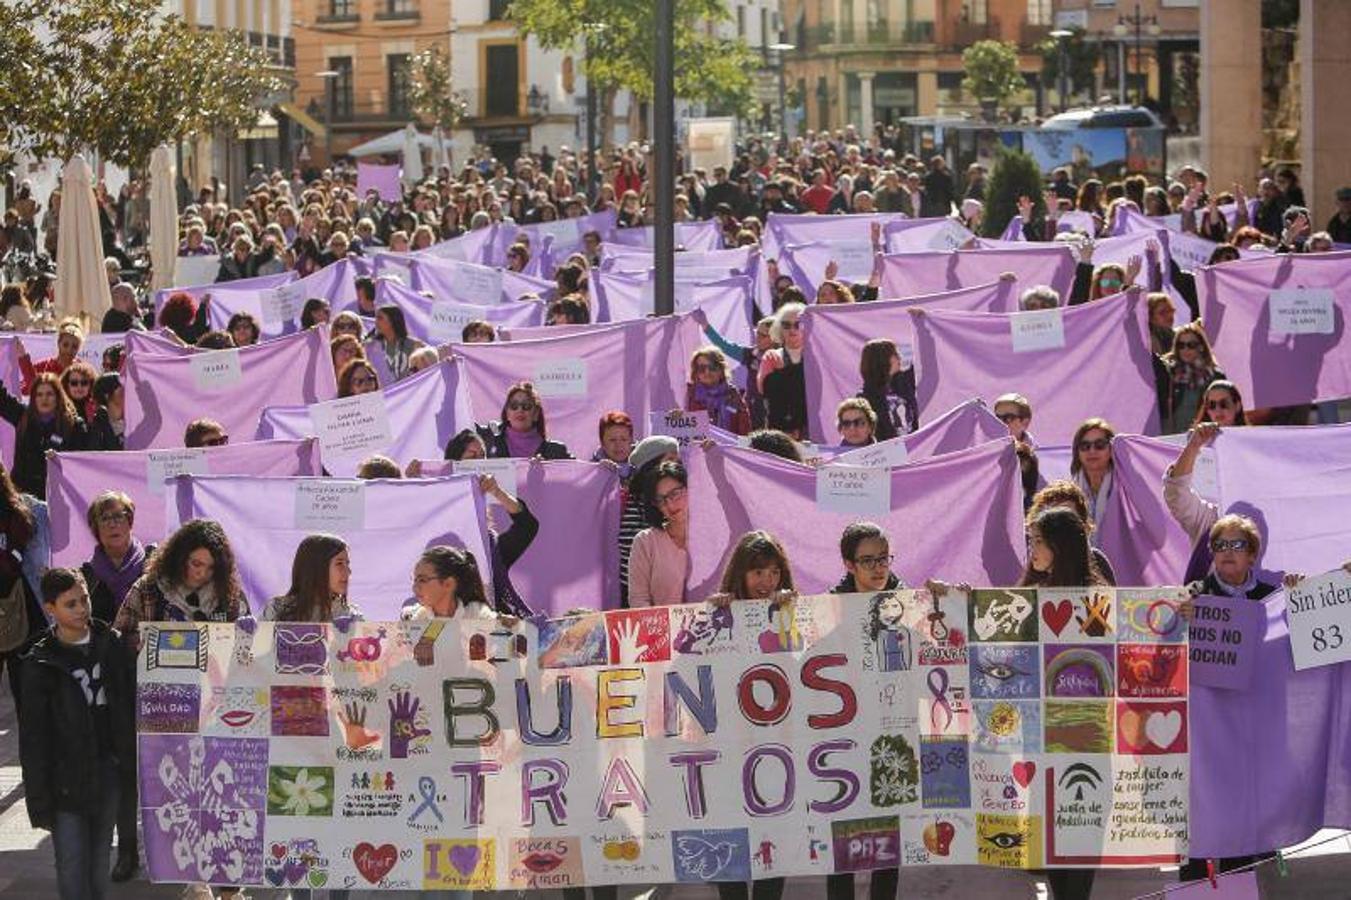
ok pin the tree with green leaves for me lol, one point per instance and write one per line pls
(1081, 61)
(120, 77)
(992, 75)
(431, 91)
(713, 69)
(1015, 175)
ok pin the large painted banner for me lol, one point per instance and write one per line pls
(1004, 727)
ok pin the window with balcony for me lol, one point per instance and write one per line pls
(397, 9)
(340, 92)
(396, 65)
(339, 11)
(497, 9)
(502, 92)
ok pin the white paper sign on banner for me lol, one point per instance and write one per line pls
(194, 271)
(685, 427)
(561, 377)
(330, 505)
(854, 258)
(882, 455)
(1301, 311)
(352, 427)
(564, 231)
(162, 464)
(282, 304)
(1039, 329)
(504, 470)
(1189, 251)
(951, 236)
(477, 284)
(1319, 612)
(215, 370)
(854, 490)
(447, 321)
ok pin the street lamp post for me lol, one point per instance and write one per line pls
(1137, 22)
(781, 48)
(592, 170)
(663, 179)
(1061, 36)
(329, 76)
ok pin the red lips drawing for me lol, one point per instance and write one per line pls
(238, 718)
(542, 861)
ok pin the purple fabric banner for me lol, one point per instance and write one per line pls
(75, 479)
(1222, 642)
(165, 393)
(335, 283)
(906, 274)
(424, 410)
(574, 559)
(961, 355)
(442, 321)
(155, 343)
(715, 263)
(260, 283)
(800, 228)
(688, 236)
(386, 523)
(566, 233)
(624, 297)
(12, 376)
(384, 180)
(1277, 756)
(472, 246)
(637, 367)
(934, 233)
(977, 492)
(447, 280)
(42, 345)
(1142, 540)
(967, 426)
(836, 335)
(1278, 326)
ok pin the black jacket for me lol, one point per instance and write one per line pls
(31, 446)
(102, 603)
(786, 398)
(904, 418)
(117, 322)
(495, 440)
(58, 746)
(101, 434)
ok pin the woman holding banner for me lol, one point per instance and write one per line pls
(1182, 376)
(391, 338)
(710, 391)
(889, 387)
(48, 423)
(1091, 467)
(781, 379)
(521, 431)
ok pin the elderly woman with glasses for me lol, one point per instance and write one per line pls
(521, 431)
(781, 378)
(856, 422)
(710, 391)
(1182, 377)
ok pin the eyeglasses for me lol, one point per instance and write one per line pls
(1226, 403)
(1095, 444)
(853, 423)
(1219, 545)
(1188, 345)
(521, 405)
(670, 496)
(117, 518)
(874, 562)
(1008, 417)
(217, 441)
(419, 580)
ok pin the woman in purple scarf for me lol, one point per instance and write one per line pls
(118, 560)
(710, 391)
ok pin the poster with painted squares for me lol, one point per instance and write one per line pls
(687, 744)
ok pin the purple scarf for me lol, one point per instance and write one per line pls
(119, 578)
(521, 444)
(716, 400)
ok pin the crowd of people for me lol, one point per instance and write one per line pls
(70, 667)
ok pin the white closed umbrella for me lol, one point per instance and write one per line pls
(163, 217)
(81, 280)
(412, 156)
(439, 150)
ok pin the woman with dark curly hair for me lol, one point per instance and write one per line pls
(192, 577)
(244, 328)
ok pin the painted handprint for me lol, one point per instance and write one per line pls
(626, 641)
(403, 727)
(1097, 616)
(355, 733)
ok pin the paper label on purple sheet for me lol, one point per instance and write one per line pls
(352, 427)
(854, 258)
(854, 490)
(1301, 311)
(282, 304)
(685, 427)
(215, 370)
(564, 377)
(1042, 329)
(883, 455)
(477, 284)
(951, 236)
(194, 271)
(330, 505)
(162, 464)
(1223, 640)
(1319, 612)
(504, 470)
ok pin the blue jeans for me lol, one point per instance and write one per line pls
(83, 843)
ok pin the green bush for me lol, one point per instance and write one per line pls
(1015, 174)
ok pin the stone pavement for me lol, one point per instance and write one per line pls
(26, 869)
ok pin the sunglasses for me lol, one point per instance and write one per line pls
(1109, 282)
(1219, 545)
(1008, 417)
(1095, 444)
(853, 423)
(1188, 345)
(521, 405)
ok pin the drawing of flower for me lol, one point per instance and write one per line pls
(894, 771)
(304, 791)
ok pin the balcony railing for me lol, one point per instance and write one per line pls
(964, 34)
(873, 34)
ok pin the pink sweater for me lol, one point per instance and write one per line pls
(657, 570)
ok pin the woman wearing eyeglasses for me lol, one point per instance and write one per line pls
(1091, 467)
(889, 387)
(856, 421)
(191, 577)
(781, 379)
(357, 377)
(710, 391)
(659, 561)
(1182, 377)
(521, 431)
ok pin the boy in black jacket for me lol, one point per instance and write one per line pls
(76, 733)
